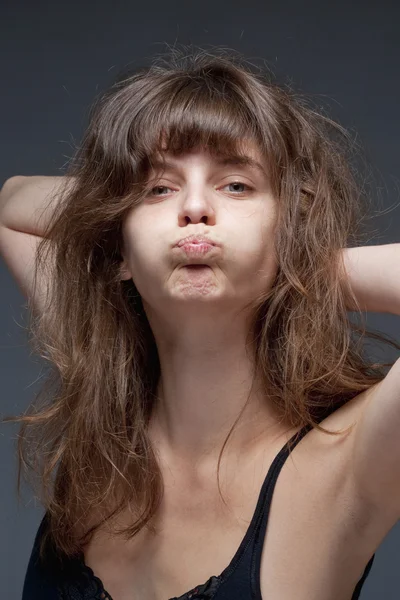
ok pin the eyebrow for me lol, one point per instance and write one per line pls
(222, 161)
(242, 161)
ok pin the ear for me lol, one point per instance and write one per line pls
(125, 271)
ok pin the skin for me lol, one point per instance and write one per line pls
(198, 318)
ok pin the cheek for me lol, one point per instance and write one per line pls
(266, 265)
(262, 258)
(270, 268)
(148, 261)
(140, 240)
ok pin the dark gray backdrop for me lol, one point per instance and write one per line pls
(56, 56)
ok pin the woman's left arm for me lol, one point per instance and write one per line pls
(373, 274)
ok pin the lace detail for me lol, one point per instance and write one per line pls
(85, 585)
(202, 592)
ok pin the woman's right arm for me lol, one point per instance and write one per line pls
(22, 199)
(24, 213)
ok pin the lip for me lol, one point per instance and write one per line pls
(197, 248)
(196, 239)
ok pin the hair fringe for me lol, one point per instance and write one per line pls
(94, 333)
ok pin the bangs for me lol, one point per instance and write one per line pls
(216, 110)
(193, 115)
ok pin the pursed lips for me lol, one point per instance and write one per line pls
(196, 239)
(197, 247)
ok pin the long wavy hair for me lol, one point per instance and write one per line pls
(85, 434)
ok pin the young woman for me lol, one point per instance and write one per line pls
(210, 428)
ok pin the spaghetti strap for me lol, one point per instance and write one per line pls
(240, 580)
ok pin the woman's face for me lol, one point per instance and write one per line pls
(228, 202)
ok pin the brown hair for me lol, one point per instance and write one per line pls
(85, 436)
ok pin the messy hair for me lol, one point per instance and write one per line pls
(85, 435)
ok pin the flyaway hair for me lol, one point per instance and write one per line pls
(85, 435)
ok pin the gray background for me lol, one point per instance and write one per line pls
(56, 56)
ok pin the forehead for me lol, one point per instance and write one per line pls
(246, 155)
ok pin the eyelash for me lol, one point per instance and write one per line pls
(251, 189)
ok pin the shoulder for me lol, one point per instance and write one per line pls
(367, 457)
(375, 453)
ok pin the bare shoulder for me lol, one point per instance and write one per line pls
(321, 530)
(361, 457)
(375, 457)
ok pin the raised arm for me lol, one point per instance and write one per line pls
(23, 199)
(26, 204)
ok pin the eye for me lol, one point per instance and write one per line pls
(240, 184)
(158, 188)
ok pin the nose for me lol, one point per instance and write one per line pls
(196, 207)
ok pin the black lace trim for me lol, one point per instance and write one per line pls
(85, 585)
(202, 592)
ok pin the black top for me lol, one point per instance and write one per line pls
(240, 580)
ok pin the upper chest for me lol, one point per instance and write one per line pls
(318, 538)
